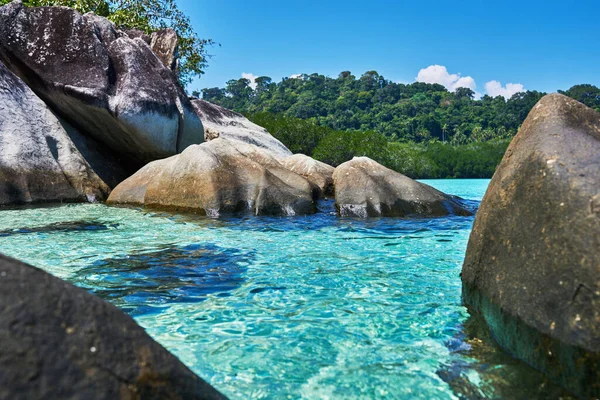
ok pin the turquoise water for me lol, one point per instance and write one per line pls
(286, 307)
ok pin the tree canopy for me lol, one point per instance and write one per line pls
(416, 112)
(147, 16)
(432, 159)
(422, 130)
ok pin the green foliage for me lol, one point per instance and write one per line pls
(299, 135)
(411, 159)
(473, 160)
(338, 147)
(419, 129)
(417, 112)
(432, 159)
(147, 16)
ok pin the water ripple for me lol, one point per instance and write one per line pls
(279, 307)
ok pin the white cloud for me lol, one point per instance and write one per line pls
(251, 77)
(495, 88)
(439, 74)
(296, 76)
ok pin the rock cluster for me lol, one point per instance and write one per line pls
(532, 261)
(365, 188)
(228, 175)
(216, 177)
(104, 83)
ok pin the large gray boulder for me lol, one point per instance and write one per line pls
(365, 188)
(103, 82)
(317, 172)
(42, 159)
(221, 122)
(532, 266)
(61, 342)
(218, 177)
(164, 44)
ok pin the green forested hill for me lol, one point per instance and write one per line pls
(420, 129)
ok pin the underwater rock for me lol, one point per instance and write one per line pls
(480, 369)
(315, 171)
(531, 267)
(221, 122)
(216, 177)
(365, 188)
(68, 226)
(61, 342)
(142, 282)
(42, 160)
(107, 85)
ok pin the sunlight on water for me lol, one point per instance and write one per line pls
(265, 307)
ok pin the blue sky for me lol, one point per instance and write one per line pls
(541, 45)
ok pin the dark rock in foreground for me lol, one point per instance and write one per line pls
(532, 263)
(61, 342)
(106, 84)
(219, 177)
(365, 188)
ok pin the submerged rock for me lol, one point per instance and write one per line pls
(317, 172)
(143, 282)
(69, 226)
(40, 160)
(531, 266)
(220, 176)
(365, 188)
(103, 82)
(61, 342)
(221, 122)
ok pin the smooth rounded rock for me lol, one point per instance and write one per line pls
(164, 44)
(221, 122)
(219, 177)
(532, 266)
(43, 159)
(108, 85)
(365, 188)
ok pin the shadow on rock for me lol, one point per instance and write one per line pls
(142, 282)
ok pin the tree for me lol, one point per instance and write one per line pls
(147, 16)
(444, 132)
(211, 94)
(417, 112)
(262, 84)
(338, 147)
(463, 92)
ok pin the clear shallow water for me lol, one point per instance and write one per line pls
(299, 307)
